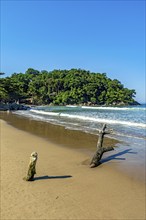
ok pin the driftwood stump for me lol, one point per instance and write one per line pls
(100, 150)
(31, 167)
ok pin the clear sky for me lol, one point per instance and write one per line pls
(100, 36)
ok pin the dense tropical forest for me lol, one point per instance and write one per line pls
(64, 87)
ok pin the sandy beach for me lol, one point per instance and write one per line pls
(64, 186)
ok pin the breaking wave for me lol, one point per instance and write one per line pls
(92, 119)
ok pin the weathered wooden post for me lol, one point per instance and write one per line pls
(100, 150)
(31, 167)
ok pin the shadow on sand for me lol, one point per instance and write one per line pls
(51, 177)
(111, 157)
(116, 156)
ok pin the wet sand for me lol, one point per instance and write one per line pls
(64, 186)
(55, 133)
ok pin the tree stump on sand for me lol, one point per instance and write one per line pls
(31, 167)
(100, 150)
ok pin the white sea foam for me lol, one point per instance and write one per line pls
(44, 113)
(113, 108)
(72, 106)
(85, 118)
(103, 120)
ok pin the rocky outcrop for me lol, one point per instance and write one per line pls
(13, 107)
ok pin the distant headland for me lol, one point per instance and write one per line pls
(63, 87)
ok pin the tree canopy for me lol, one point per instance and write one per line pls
(64, 87)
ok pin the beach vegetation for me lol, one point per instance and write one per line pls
(64, 87)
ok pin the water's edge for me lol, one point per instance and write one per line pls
(130, 160)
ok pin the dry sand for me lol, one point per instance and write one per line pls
(64, 187)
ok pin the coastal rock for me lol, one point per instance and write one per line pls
(12, 107)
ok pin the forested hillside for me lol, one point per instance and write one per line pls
(64, 87)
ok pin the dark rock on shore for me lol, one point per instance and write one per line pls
(13, 107)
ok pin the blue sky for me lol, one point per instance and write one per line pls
(100, 36)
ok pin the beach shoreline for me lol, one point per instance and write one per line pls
(129, 160)
(57, 134)
(65, 187)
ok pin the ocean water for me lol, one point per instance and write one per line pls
(128, 124)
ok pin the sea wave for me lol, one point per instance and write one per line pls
(93, 119)
(113, 108)
(103, 120)
(72, 106)
(44, 113)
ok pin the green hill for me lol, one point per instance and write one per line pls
(64, 87)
